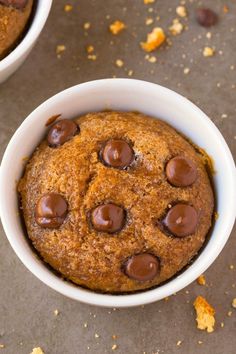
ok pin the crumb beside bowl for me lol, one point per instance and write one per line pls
(120, 95)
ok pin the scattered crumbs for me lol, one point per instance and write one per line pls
(56, 312)
(208, 52)
(201, 280)
(60, 49)
(186, 71)
(89, 49)
(149, 21)
(200, 342)
(179, 343)
(68, 8)
(176, 27)
(96, 335)
(148, 1)
(2, 346)
(114, 336)
(225, 9)
(114, 347)
(181, 11)
(85, 325)
(87, 25)
(119, 63)
(37, 351)
(92, 57)
(154, 39)
(222, 324)
(116, 27)
(208, 35)
(205, 314)
(130, 72)
(234, 303)
(231, 267)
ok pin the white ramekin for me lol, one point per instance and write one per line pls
(12, 61)
(127, 95)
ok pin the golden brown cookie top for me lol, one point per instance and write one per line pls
(127, 199)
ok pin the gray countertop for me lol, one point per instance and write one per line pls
(27, 318)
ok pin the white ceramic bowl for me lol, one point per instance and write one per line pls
(128, 95)
(12, 61)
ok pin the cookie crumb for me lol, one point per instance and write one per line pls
(151, 58)
(229, 313)
(68, 8)
(181, 11)
(208, 35)
(96, 335)
(205, 314)
(222, 324)
(37, 350)
(2, 346)
(179, 343)
(176, 27)
(201, 280)
(148, 1)
(89, 49)
(200, 342)
(130, 72)
(87, 25)
(92, 57)
(116, 27)
(149, 21)
(119, 63)
(154, 39)
(208, 52)
(60, 49)
(225, 9)
(234, 303)
(231, 267)
(85, 325)
(56, 312)
(114, 336)
(114, 347)
(186, 71)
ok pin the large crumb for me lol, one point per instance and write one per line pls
(37, 351)
(181, 11)
(208, 52)
(201, 280)
(205, 314)
(116, 27)
(154, 39)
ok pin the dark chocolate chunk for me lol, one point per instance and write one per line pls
(181, 171)
(181, 220)
(51, 211)
(206, 17)
(108, 218)
(142, 267)
(117, 153)
(61, 132)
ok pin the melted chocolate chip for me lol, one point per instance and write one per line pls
(181, 171)
(117, 153)
(142, 267)
(206, 17)
(51, 211)
(108, 218)
(61, 132)
(17, 4)
(181, 220)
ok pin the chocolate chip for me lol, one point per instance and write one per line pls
(181, 220)
(18, 4)
(61, 132)
(206, 17)
(108, 218)
(142, 267)
(117, 153)
(51, 211)
(181, 171)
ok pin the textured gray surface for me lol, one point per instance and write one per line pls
(27, 306)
